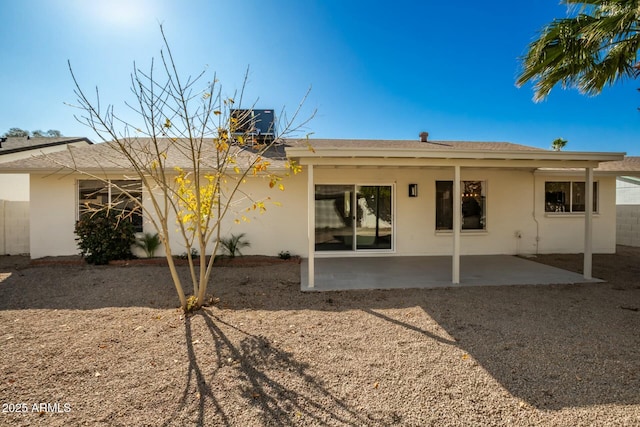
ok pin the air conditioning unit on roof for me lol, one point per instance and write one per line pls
(259, 124)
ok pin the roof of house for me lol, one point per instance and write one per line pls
(107, 157)
(326, 144)
(629, 165)
(439, 153)
(104, 157)
(20, 144)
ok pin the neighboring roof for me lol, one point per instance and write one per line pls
(20, 144)
(628, 166)
(106, 157)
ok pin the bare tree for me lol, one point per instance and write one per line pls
(192, 150)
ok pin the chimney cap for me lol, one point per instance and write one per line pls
(424, 136)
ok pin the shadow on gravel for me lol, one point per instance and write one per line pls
(571, 346)
(554, 347)
(265, 374)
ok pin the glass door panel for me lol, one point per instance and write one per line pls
(334, 217)
(374, 217)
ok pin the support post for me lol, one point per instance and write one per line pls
(457, 225)
(311, 221)
(588, 224)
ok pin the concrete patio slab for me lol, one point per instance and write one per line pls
(332, 274)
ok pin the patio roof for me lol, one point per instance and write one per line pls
(343, 152)
(456, 155)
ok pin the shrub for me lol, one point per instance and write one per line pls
(233, 244)
(194, 254)
(284, 255)
(104, 236)
(149, 243)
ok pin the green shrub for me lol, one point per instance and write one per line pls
(149, 243)
(104, 236)
(232, 245)
(284, 255)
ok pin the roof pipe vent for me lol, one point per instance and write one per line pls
(424, 136)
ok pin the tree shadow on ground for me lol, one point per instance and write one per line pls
(569, 346)
(274, 387)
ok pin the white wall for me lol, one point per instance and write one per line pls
(628, 211)
(628, 191)
(14, 187)
(54, 212)
(564, 233)
(511, 208)
(510, 212)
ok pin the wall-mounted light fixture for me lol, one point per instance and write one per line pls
(413, 190)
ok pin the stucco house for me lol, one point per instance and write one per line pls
(380, 198)
(14, 187)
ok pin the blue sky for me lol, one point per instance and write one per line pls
(380, 70)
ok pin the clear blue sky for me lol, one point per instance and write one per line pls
(381, 70)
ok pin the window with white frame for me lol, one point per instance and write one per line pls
(474, 212)
(94, 194)
(567, 196)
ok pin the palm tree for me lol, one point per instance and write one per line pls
(595, 46)
(558, 144)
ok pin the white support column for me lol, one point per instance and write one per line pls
(457, 225)
(588, 223)
(311, 225)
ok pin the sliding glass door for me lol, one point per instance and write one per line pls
(352, 217)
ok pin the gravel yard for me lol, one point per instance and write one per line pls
(83, 345)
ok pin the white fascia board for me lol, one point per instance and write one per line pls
(408, 153)
(580, 172)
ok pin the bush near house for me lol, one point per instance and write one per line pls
(104, 236)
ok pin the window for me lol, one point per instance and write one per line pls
(567, 196)
(353, 217)
(94, 194)
(474, 213)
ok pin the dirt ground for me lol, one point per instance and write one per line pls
(106, 346)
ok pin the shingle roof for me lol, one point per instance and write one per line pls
(107, 157)
(103, 156)
(19, 144)
(630, 164)
(410, 144)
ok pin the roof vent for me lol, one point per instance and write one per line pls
(424, 136)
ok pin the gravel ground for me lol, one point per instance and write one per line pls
(83, 345)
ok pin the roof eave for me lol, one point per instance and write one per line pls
(377, 152)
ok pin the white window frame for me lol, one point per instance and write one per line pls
(596, 201)
(109, 195)
(485, 212)
(364, 252)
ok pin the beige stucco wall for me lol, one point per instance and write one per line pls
(54, 212)
(564, 233)
(516, 221)
(509, 209)
(512, 211)
(14, 187)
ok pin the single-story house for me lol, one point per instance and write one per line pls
(379, 198)
(14, 187)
